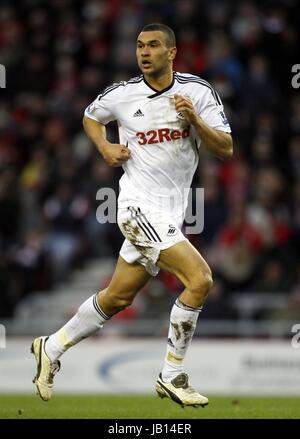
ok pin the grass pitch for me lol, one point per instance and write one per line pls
(145, 407)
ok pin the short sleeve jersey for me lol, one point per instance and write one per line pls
(164, 147)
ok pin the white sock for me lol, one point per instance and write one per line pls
(88, 319)
(183, 320)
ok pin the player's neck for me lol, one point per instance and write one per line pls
(160, 82)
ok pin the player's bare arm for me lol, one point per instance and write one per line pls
(217, 142)
(113, 153)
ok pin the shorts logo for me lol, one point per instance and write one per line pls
(172, 230)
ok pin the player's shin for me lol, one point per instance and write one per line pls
(88, 319)
(183, 320)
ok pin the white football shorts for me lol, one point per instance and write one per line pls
(146, 234)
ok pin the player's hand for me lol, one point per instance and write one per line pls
(115, 154)
(185, 106)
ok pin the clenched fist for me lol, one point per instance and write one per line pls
(115, 154)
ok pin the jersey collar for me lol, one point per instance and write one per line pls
(158, 92)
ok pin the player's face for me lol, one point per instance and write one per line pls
(153, 55)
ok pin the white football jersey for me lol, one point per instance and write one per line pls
(164, 147)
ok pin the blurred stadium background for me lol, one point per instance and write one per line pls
(58, 56)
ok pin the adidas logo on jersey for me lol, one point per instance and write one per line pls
(172, 230)
(138, 113)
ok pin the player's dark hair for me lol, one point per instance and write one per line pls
(170, 36)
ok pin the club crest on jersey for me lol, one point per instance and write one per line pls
(180, 116)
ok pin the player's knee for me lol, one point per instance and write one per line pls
(208, 282)
(201, 283)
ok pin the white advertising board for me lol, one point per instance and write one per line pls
(132, 365)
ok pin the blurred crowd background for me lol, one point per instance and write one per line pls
(60, 54)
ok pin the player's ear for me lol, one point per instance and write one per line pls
(172, 53)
